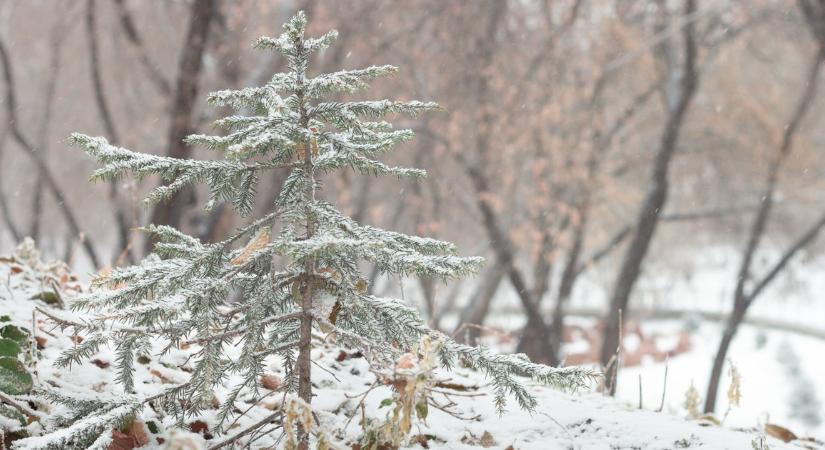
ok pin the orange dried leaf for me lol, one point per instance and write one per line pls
(259, 241)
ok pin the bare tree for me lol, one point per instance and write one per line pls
(124, 247)
(748, 287)
(56, 41)
(37, 158)
(4, 203)
(202, 13)
(681, 85)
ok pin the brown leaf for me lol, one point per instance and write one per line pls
(121, 441)
(201, 428)
(163, 378)
(271, 382)
(134, 437)
(100, 363)
(138, 433)
(779, 432)
(16, 269)
(487, 440)
(343, 355)
(257, 242)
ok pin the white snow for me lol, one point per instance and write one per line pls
(584, 420)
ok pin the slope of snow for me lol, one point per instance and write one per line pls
(584, 420)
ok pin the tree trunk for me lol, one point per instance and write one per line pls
(742, 299)
(475, 312)
(566, 284)
(656, 196)
(731, 327)
(186, 91)
(123, 248)
(37, 158)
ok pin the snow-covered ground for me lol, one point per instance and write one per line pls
(583, 420)
(768, 384)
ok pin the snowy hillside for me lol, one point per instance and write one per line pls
(584, 420)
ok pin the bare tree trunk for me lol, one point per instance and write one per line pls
(123, 247)
(474, 314)
(815, 16)
(505, 256)
(742, 299)
(56, 43)
(566, 284)
(656, 196)
(4, 206)
(37, 158)
(186, 90)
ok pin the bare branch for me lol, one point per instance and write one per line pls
(37, 158)
(132, 35)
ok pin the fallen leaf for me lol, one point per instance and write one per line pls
(200, 427)
(134, 437)
(271, 382)
(779, 432)
(487, 440)
(100, 363)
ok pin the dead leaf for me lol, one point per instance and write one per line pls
(163, 379)
(200, 427)
(271, 382)
(100, 363)
(343, 355)
(134, 437)
(487, 440)
(779, 432)
(259, 241)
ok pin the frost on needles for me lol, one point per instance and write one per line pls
(259, 292)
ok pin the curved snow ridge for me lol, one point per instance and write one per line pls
(580, 421)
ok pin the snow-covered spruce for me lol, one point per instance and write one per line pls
(260, 289)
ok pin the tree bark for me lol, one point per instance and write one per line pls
(123, 245)
(4, 206)
(656, 197)
(475, 312)
(186, 90)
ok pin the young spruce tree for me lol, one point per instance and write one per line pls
(268, 286)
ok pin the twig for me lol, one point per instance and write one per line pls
(360, 405)
(446, 409)
(42, 167)
(285, 317)
(640, 391)
(23, 409)
(327, 371)
(234, 438)
(563, 428)
(460, 394)
(664, 385)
